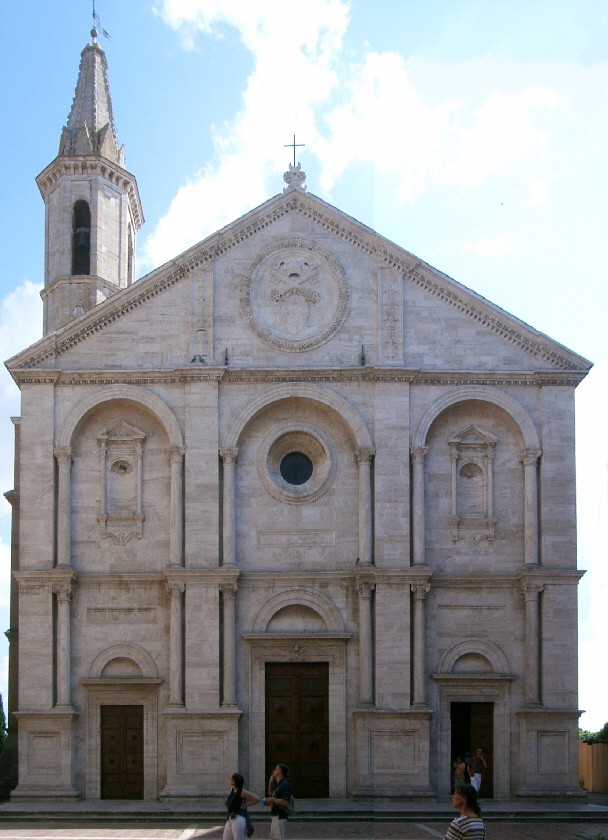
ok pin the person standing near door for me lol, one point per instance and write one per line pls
(236, 805)
(476, 768)
(279, 802)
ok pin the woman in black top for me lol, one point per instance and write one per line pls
(236, 804)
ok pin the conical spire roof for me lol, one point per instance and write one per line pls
(90, 129)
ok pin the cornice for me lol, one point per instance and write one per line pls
(126, 377)
(331, 374)
(393, 373)
(367, 373)
(92, 166)
(340, 225)
(505, 581)
(38, 577)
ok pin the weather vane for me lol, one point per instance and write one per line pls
(97, 25)
(293, 145)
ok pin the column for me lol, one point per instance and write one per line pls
(364, 457)
(64, 463)
(419, 591)
(366, 681)
(176, 456)
(63, 592)
(418, 524)
(176, 668)
(229, 457)
(529, 458)
(531, 591)
(228, 591)
(103, 453)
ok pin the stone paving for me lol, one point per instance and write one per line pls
(20, 830)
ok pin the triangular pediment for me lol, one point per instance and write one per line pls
(473, 436)
(543, 353)
(121, 432)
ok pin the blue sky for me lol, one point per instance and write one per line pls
(471, 133)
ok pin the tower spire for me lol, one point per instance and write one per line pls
(93, 210)
(90, 127)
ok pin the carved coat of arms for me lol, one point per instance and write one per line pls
(294, 295)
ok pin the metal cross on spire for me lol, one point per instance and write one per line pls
(97, 23)
(293, 146)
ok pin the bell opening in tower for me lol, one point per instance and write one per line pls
(81, 238)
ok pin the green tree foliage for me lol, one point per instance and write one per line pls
(586, 735)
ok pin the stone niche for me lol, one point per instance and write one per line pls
(121, 457)
(472, 456)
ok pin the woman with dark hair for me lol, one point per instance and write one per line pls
(236, 804)
(469, 825)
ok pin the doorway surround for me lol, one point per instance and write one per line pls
(476, 687)
(299, 647)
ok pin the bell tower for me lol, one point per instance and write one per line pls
(93, 210)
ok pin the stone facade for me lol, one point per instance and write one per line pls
(296, 444)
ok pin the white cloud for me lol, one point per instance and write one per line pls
(486, 247)
(503, 130)
(20, 319)
(592, 503)
(375, 108)
(287, 58)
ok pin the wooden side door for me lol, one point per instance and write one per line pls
(122, 752)
(297, 725)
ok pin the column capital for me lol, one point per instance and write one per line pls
(176, 453)
(418, 453)
(529, 457)
(229, 456)
(228, 590)
(365, 587)
(175, 587)
(63, 454)
(364, 454)
(531, 589)
(63, 591)
(420, 590)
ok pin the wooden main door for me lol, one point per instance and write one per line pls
(297, 725)
(472, 727)
(122, 752)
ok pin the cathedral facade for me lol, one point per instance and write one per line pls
(294, 496)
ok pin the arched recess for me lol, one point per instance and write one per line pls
(485, 394)
(489, 651)
(304, 391)
(132, 393)
(124, 651)
(300, 597)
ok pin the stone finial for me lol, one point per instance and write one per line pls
(294, 177)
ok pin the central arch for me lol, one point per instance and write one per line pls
(305, 391)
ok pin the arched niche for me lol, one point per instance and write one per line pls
(484, 393)
(107, 660)
(314, 601)
(133, 393)
(474, 648)
(302, 391)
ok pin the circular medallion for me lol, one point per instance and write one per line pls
(294, 295)
(296, 463)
